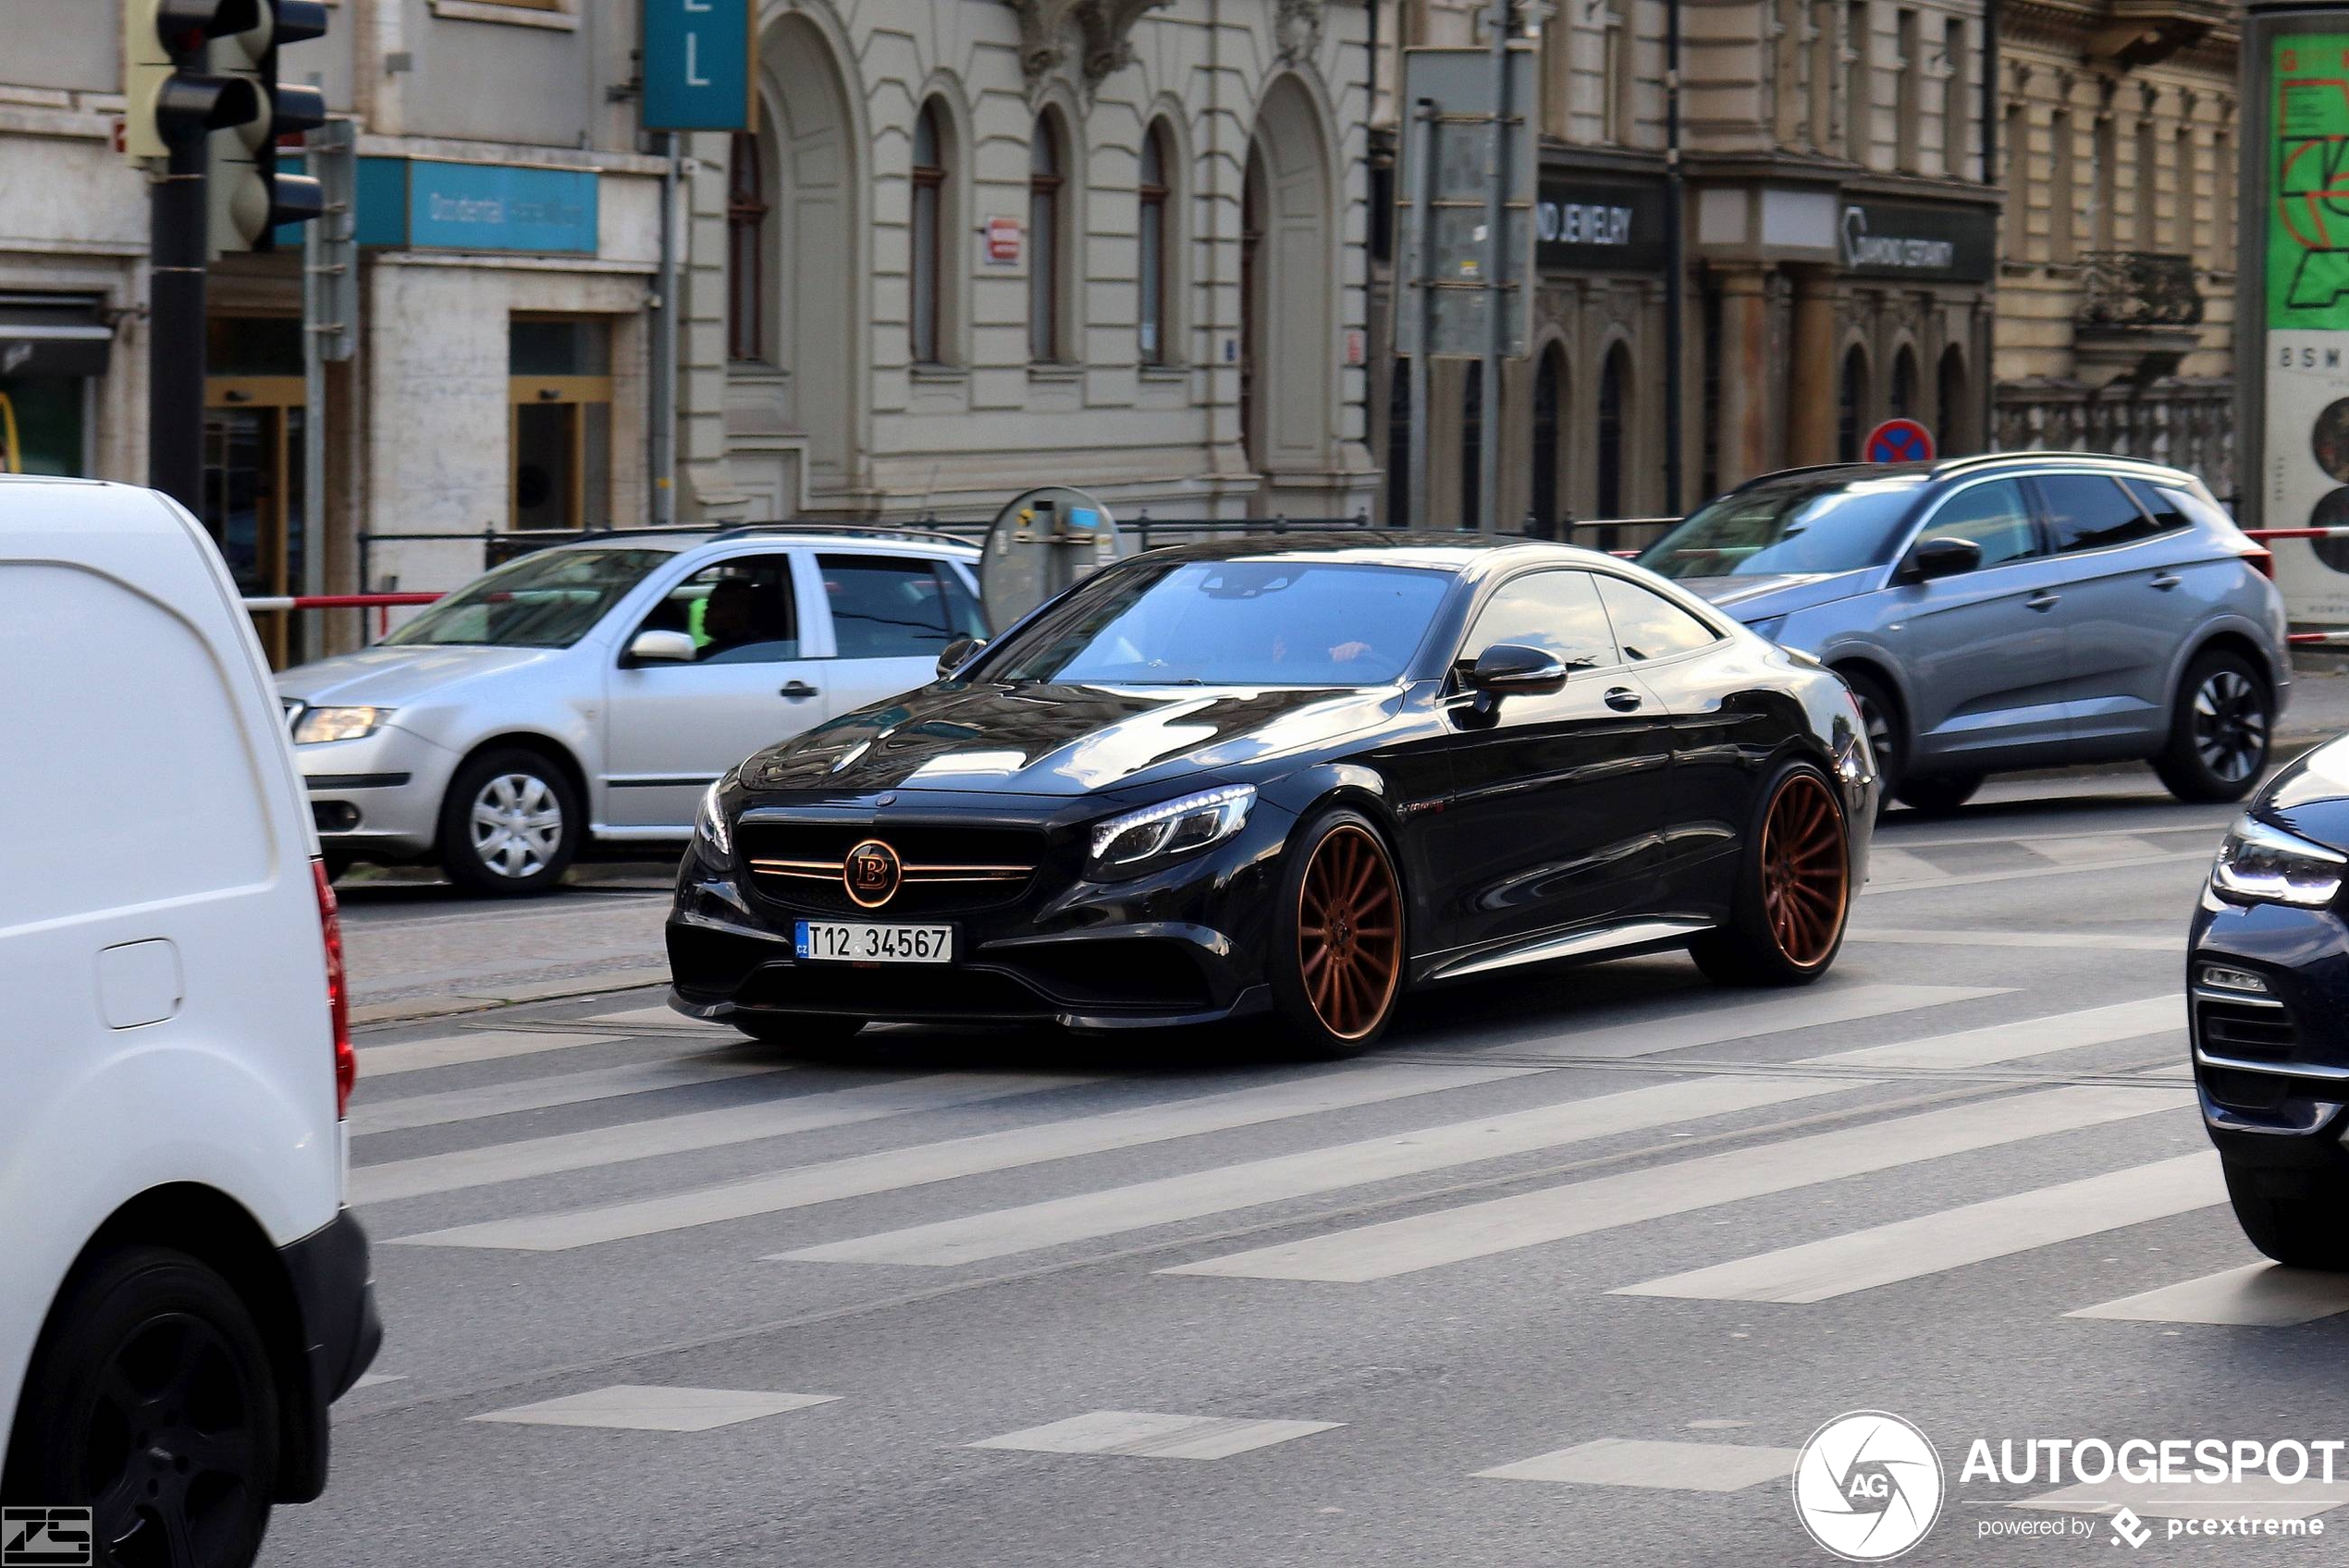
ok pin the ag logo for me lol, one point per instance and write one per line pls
(871, 873)
(1867, 1485)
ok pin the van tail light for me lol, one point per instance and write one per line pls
(337, 992)
(2263, 561)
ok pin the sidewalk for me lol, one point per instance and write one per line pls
(2320, 709)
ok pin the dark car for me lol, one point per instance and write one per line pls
(2268, 972)
(2027, 609)
(1208, 782)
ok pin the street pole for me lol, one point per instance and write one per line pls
(1496, 166)
(314, 326)
(178, 254)
(664, 397)
(1675, 261)
(1422, 296)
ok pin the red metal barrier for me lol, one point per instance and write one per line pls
(2296, 533)
(382, 604)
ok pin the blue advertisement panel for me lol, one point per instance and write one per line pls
(500, 207)
(698, 58)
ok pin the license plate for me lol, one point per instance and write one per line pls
(857, 942)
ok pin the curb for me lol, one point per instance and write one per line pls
(411, 1010)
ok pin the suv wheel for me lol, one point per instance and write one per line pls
(2300, 1219)
(150, 1402)
(511, 824)
(2219, 731)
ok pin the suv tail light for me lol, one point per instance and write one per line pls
(338, 993)
(2263, 561)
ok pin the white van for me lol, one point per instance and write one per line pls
(182, 1293)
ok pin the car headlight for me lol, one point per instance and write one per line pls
(2260, 864)
(337, 724)
(710, 831)
(1155, 832)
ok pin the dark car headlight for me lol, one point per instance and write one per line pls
(711, 836)
(2260, 864)
(1138, 839)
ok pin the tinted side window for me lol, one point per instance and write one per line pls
(2169, 508)
(1995, 516)
(2192, 509)
(963, 612)
(2088, 511)
(739, 611)
(1649, 626)
(1556, 611)
(885, 607)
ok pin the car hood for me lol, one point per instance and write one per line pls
(398, 677)
(1060, 741)
(1765, 594)
(2310, 795)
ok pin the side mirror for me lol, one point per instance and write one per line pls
(1940, 558)
(1512, 669)
(661, 647)
(957, 654)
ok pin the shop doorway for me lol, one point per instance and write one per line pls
(560, 394)
(1614, 376)
(1549, 401)
(252, 499)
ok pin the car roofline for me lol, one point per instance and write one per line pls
(687, 536)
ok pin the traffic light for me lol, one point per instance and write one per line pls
(248, 198)
(172, 98)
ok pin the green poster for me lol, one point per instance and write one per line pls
(2309, 184)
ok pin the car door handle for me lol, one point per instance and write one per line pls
(2043, 600)
(799, 690)
(1622, 699)
(2165, 581)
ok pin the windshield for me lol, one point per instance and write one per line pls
(548, 600)
(1815, 523)
(1231, 623)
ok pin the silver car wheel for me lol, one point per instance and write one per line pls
(517, 825)
(2230, 726)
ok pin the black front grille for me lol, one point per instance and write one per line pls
(2245, 1029)
(900, 991)
(948, 868)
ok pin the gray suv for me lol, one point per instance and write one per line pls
(2021, 610)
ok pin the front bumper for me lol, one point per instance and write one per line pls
(379, 795)
(2271, 1068)
(334, 1294)
(1180, 946)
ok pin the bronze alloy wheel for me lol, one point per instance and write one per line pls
(1349, 932)
(1806, 881)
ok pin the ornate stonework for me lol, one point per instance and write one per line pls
(1298, 24)
(1088, 39)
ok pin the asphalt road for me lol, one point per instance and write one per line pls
(1565, 1273)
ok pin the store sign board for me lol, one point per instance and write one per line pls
(1581, 227)
(502, 207)
(700, 60)
(1924, 244)
(2307, 284)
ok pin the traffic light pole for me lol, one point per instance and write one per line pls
(176, 327)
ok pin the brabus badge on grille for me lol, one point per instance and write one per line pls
(871, 873)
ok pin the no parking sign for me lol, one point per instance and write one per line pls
(1898, 441)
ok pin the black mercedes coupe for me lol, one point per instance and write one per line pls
(1291, 777)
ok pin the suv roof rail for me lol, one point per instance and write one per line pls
(1776, 474)
(1985, 459)
(847, 530)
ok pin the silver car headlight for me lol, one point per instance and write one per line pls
(1137, 838)
(337, 724)
(2260, 864)
(710, 832)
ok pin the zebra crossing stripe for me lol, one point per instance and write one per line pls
(893, 1169)
(1669, 1466)
(1554, 1213)
(1932, 1243)
(1107, 1212)
(547, 1091)
(455, 1051)
(2255, 1295)
(1150, 1434)
(2029, 1037)
(596, 1146)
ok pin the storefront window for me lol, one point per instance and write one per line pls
(42, 426)
(745, 252)
(559, 395)
(1851, 396)
(252, 501)
(1614, 397)
(1399, 446)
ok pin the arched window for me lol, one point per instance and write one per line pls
(1472, 448)
(927, 260)
(1549, 399)
(1850, 401)
(1614, 393)
(745, 252)
(1904, 384)
(1046, 241)
(1154, 237)
(1398, 446)
(1955, 430)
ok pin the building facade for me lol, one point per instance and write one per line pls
(970, 246)
(2117, 287)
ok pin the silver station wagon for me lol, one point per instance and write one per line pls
(592, 693)
(2016, 611)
